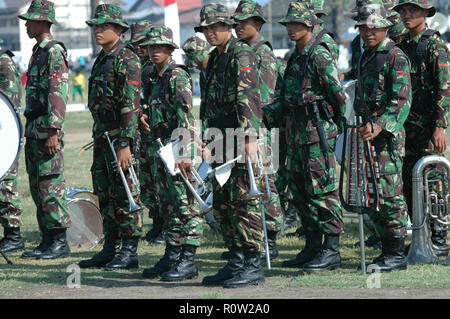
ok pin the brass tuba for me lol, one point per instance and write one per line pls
(428, 206)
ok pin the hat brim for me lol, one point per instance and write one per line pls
(153, 42)
(96, 21)
(383, 23)
(248, 16)
(430, 14)
(308, 23)
(29, 18)
(199, 27)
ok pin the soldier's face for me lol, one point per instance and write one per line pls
(372, 37)
(297, 30)
(107, 33)
(248, 28)
(34, 28)
(159, 53)
(412, 15)
(140, 51)
(217, 34)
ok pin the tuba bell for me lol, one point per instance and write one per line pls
(428, 207)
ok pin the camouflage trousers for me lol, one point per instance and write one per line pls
(240, 226)
(391, 220)
(47, 184)
(118, 221)
(168, 196)
(10, 204)
(314, 186)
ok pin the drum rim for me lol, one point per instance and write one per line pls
(21, 135)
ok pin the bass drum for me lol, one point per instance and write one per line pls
(11, 135)
(87, 224)
(86, 193)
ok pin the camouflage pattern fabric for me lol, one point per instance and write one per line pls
(248, 9)
(114, 105)
(139, 30)
(196, 50)
(213, 13)
(41, 10)
(166, 195)
(373, 15)
(424, 4)
(108, 13)
(300, 12)
(10, 204)
(160, 35)
(389, 110)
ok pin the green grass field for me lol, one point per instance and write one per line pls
(32, 273)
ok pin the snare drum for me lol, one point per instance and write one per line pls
(11, 135)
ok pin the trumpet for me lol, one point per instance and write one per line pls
(132, 204)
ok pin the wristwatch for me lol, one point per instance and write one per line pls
(123, 143)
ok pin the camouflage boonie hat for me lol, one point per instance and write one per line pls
(139, 30)
(248, 9)
(213, 13)
(159, 35)
(373, 15)
(318, 7)
(424, 4)
(196, 50)
(108, 13)
(398, 29)
(41, 10)
(300, 12)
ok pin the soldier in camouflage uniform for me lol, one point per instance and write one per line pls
(430, 77)
(232, 100)
(310, 82)
(250, 19)
(114, 96)
(10, 204)
(383, 100)
(170, 108)
(46, 98)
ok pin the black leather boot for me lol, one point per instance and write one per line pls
(127, 257)
(156, 234)
(273, 249)
(312, 247)
(59, 247)
(171, 256)
(392, 256)
(328, 257)
(44, 245)
(252, 274)
(111, 247)
(185, 268)
(290, 217)
(12, 240)
(234, 266)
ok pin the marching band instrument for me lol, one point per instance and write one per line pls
(11, 135)
(132, 205)
(436, 208)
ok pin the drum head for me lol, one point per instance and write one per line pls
(84, 193)
(87, 224)
(11, 135)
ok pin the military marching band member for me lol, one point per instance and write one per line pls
(232, 100)
(10, 203)
(430, 77)
(250, 19)
(170, 108)
(114, 96)
(310, 82)
(46, 98)
(383, 100)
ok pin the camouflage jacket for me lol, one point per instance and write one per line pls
(170, 107)
(431, 86)
(10, 80)
(267, 70)
(319, 83)
(116, 109)
(389, 102)
(232, 98)
(329, 40)
(46, 90)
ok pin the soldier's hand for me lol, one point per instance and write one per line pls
(143, 125)
(206, 152)
(368, 133)
(439, 140)
(251, 149)
(51, 144)
(185, 166)
(124, 159)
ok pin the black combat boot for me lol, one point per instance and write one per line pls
(185, 268)
(392, 256)
(44, 245)
(252, 273)
(127, 257)
(111, 247)
(273, 249)
(290, 217)
(312, 247)
(328, 257)
(170, 258)
(234, 266)
(156, 234)
(12, 240)
(59, 247)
